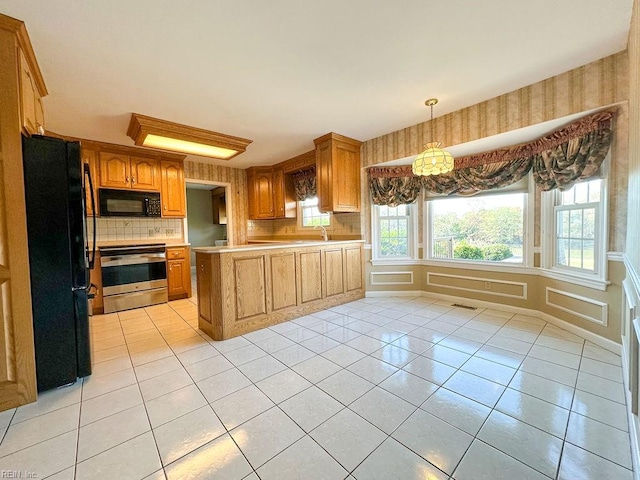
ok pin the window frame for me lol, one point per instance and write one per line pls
(412, 238)
(527, 235)
(548, 237)
(306, 228)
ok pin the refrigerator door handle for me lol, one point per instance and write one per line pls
(92, 260)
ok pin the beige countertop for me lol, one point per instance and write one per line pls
(269, 245)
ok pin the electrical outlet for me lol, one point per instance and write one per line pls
(152, 232)
(487, 285)
(169, 231)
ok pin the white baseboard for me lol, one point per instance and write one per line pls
(581, 332)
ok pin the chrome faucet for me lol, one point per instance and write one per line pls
(324, 232)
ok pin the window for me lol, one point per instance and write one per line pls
(577, 232)
(310, 215)
(394, 230)
(487, 228)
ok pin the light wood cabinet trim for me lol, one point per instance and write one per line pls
(272, 296)
(97, 303)
(353, 271)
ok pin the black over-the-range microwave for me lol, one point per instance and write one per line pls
(129, 203)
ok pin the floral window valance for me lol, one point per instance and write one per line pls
(558, 160)
(304, 184)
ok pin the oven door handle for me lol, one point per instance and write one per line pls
(123, 260)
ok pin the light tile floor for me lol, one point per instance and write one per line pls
(393, 388)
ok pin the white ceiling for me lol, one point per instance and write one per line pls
(283, 72)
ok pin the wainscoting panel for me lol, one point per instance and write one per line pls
(391, 278)
(487, 286)
(577, 305)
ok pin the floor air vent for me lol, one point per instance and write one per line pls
(459, 305)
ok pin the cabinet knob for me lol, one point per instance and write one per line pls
(165, 206)
(128, 179)
(133, 180)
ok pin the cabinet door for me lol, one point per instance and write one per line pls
(145, 174)
(89, 158)
(114, 170)
(279, 199)
(97, 303)
(263, 195)
(346, 178)
(353, 268)
(324, 177)
(175, 278)
(310, 268)
(27, 97)
(333, 274)
(173, 189)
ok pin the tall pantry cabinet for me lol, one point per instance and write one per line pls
(21, 90)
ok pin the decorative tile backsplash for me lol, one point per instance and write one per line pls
(110, 229)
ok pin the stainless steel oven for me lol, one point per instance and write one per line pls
(133, 276)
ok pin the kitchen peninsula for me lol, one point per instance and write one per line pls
(247, 287)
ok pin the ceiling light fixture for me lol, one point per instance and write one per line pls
(164, 135)
(433, 161)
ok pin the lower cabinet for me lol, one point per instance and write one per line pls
(97, 305)
(178, 273)
(242, 291)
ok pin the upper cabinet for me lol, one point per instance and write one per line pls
(270, 194)
(338, 173)
(173, 189)
(129, 172)
(31, 108)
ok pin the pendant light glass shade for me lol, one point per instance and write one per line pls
(434, 160)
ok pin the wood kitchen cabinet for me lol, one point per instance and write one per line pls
(173, 189)
(178, 273)
(244, 289)
(338, 173)
(270, 194)
(97, 304)
(129, 172)
(18, 107)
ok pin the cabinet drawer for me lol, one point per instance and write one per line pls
(176, 253)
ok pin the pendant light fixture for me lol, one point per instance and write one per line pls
(433, 161)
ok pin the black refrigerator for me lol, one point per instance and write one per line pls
(59, 259)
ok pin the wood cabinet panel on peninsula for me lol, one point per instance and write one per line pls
(245, 288)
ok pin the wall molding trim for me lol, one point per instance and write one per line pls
(524, 286)
(604, 308)
(375, 274)
(581, 332)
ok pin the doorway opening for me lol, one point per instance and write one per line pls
(209, 217)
